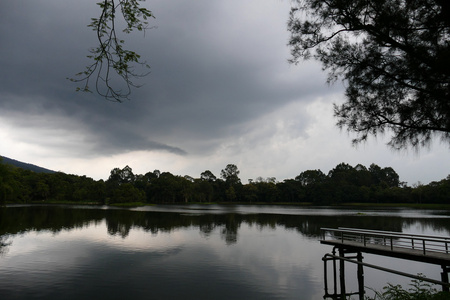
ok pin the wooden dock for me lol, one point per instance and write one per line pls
(421, 248)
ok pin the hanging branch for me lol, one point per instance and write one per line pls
(111, 62)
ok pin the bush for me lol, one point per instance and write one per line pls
(419, 291)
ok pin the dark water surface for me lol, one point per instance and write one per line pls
(189, 252)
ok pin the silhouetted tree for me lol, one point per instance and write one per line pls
(230, 174)
(394, 56)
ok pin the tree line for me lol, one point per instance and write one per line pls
(342, 184)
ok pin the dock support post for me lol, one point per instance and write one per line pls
(334, 272)
(342, 272)
(360, 276)
(325, 259)
(444, 277)
(325, 275)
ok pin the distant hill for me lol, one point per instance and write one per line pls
(26, 166)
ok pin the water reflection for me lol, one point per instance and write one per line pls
(200, 252)
(14, 220)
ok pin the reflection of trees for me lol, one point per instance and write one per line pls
(119, 222)
(230, 229)
(117, 228)
(206, 229)
(15, 220)
(3, 243)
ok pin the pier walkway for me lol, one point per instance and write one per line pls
(421, 248)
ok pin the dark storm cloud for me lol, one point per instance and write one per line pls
(214, 66)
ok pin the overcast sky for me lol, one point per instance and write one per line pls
(220, 91)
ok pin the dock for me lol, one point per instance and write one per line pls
(355, 241)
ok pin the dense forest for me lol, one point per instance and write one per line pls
(343, 184)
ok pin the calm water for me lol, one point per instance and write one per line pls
(189, 252)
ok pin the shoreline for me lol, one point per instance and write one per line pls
(350, 205)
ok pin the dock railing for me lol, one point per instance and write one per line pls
(425, 243)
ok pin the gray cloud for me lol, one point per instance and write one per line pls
(213, 68)
(220, 91)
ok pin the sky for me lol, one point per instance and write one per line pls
(221, 91)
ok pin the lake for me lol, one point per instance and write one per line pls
(190, 251)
